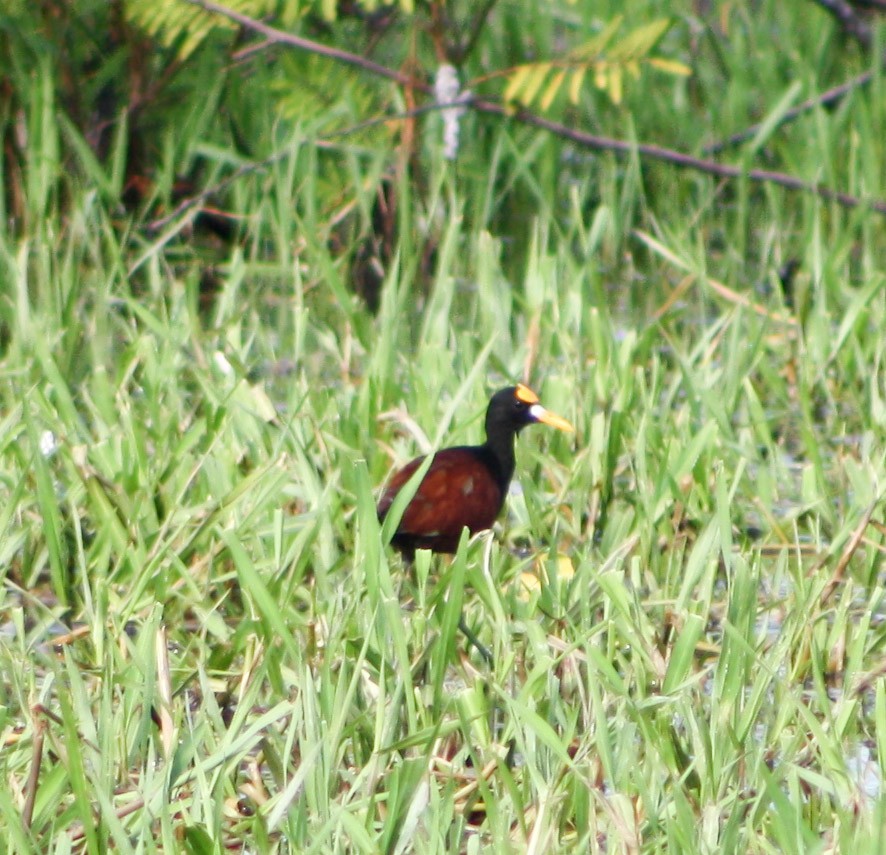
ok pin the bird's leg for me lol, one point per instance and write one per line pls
(467, 631)
(409, 563)
(472, 639)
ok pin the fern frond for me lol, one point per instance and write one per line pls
(607, 60)
(184, 26)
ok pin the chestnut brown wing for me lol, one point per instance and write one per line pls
(457, 491)
(400, 477)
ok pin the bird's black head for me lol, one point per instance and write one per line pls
(511, 409)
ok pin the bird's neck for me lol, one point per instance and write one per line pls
(501, 451)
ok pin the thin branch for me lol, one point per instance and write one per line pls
(678, 158)
(826, 99)
(463, 51)
(856, 27)
(526, 117)
(77, 831)
(849, 20)
(281, 37)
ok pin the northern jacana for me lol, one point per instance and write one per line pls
(465, 486)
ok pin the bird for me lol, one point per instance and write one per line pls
(465, 486)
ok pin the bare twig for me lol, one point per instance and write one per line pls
(463, 51)
(855, 26)
(281, 37)
(78, 832)
(655, 152)
(826, 99)
(849, 20)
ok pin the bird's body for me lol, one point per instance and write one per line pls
(455, 493)
(465, 486)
